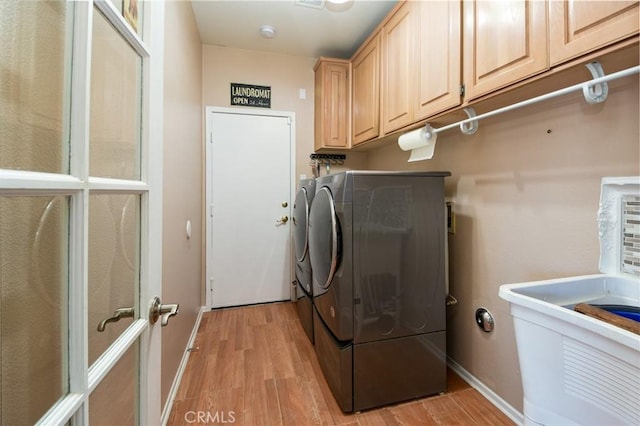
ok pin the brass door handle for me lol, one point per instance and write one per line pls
(117, 315)
(158, 310)
(282, 220)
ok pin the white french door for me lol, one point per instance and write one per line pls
(80, 211)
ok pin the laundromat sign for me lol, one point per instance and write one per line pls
(250, 95)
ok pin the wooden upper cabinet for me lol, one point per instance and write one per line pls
(331, 102)
(437, 57)
(505, 41)
(365, 121)
(398, 69)
(579, 27)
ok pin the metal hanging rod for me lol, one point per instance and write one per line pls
(595, 91)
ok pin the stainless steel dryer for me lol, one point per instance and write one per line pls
(304, 289)
(377, 245)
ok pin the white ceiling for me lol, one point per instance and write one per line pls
(300, 30)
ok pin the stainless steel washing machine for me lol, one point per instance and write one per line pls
(377, 246)
(304, 288)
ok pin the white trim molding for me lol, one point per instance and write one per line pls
(496, 400)
(166, 410)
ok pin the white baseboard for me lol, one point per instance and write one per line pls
(166, 411)
(500, 403)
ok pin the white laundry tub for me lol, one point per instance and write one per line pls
(578, 370)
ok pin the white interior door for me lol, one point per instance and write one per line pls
(249, 198)
(80, 212)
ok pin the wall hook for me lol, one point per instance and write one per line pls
(469, 127)
(595, 93)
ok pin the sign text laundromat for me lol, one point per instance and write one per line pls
(250, 95)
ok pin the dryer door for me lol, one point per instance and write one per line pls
(324, 239)
(300, 220)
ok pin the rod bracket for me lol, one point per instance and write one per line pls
(429, 132)
(470, 127)
(595, 93)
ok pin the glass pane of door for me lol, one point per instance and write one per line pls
(114, 273)
(34, 85)
(33, 310)
(114, 401)
(116, 91)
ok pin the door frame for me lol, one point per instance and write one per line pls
(208, 139)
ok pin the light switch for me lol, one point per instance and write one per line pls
(303, 94)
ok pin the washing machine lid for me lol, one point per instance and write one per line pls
(324, 238)
(300, 224)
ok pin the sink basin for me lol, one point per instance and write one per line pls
(576, 369)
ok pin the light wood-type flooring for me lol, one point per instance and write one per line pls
(254, 365)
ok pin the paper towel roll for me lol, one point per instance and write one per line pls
(421, 148)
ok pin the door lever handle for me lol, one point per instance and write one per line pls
(282, 220)
(117, 316)
(158, 310)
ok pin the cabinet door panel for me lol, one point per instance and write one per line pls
(437, 57)
(366, 92)
(504, 42)
(331, 104)
(578, 27)
(398, 69)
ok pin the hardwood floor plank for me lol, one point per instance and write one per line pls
(412, 413)
(479, 409)
(294, 398)
(279, 351)
(261, 346)
(256, 363)
(193, 381)
(241, 330)
(445, 411)
(222, 404)
(226, 367)
(261, 404)
(380, 417)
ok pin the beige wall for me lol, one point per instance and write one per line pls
(526, 202)
(182, 257)
(286, 75)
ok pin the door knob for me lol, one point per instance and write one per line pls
(282, 220)
(117, 315)
(158, 310)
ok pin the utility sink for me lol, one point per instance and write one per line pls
(576, 369)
